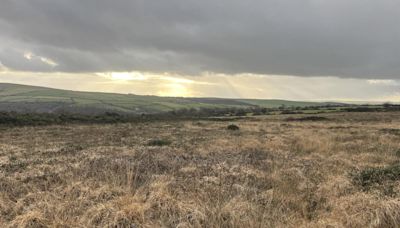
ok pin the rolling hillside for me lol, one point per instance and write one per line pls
(23, 98)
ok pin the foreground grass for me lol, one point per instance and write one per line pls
(341, 171)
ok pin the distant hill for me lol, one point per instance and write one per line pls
(23, 98)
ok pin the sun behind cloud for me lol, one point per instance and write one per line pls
(175, 90)
(124, 76)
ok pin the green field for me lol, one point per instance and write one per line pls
(23, 98)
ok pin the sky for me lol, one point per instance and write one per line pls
(343, 50)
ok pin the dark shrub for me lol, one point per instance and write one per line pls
(233, 127)
(307, 118)
(373, 176)
(391, 131)
(397, 153)
(159, 142)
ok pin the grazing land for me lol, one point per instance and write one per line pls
(33, 99)
(330, 170)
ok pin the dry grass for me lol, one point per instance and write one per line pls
(270, 173)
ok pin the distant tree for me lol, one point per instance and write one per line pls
(264, 111)
(387, 105)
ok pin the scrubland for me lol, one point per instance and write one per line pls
(342, 170)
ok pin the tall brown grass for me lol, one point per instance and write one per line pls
(270, 173)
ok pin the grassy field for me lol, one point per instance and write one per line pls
(338, 170)
(40, 99)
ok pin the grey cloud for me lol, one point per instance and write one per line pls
(15, 59)
(344, 38)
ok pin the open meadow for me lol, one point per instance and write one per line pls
(333, 170)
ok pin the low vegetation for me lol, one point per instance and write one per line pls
(192, 173)
(307, 118)
(159, 142)
(377, 175)
(233, 127)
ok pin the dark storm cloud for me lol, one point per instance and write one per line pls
(345, 38)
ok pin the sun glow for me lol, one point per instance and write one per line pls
(124, 76)
(175, 90)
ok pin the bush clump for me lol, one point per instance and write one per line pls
(308, 118)
(159, 142)
(373, 176)
(233, 127)
(391, 131)
(397, 153)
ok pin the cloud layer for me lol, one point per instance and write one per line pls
(343, 38)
